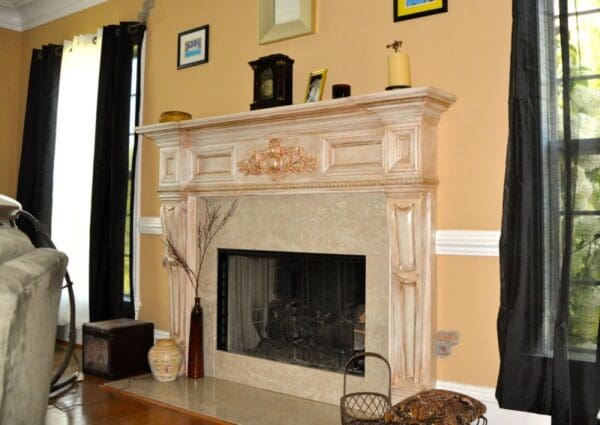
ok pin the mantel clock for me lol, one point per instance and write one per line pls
(272, 81)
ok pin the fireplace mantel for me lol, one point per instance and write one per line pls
(381, 143)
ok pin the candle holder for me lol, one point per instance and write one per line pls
(398, 67)
(340, 90)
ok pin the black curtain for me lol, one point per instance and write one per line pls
(120, 45)
(537, 373)
(37, 153)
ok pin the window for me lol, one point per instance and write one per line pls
(74, 163)
(572, 168)
(549, 249)
(133, 122)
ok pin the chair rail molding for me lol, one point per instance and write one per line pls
(149, 226)
(476, 243)
(481, 243)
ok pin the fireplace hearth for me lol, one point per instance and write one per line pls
(298, 308)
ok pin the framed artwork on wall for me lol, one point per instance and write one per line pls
(409, 9)
(192, 47)
(315, 86)
(282, 19)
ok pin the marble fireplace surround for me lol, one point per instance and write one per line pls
(350, 176)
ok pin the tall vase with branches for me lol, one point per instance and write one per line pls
(214, 220)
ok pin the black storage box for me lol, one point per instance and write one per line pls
(117, 348)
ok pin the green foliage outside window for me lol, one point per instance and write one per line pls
(584, 97)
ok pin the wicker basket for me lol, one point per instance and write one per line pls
(365, 408)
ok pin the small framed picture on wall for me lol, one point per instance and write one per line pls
(192, 47)
(409, 9)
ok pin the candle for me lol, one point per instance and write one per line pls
(398, 70)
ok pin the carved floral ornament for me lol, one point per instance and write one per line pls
(277, 161)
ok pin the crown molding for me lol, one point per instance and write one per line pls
(10, 18)
(24, 16)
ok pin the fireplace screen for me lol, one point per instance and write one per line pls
(297, 308)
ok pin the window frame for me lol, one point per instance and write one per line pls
(553, 142)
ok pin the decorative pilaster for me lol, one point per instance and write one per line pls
(173, 217)
(412, 322)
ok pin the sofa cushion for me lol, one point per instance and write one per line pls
(13, 243)
(30, 289)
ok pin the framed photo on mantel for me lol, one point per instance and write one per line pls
(409, 9)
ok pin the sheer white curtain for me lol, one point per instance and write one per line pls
(250, 290)
(73, 164)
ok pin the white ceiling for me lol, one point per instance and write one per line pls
(14, 3)
(21, 15)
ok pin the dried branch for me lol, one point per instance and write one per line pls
(174, 258)
(205, 233)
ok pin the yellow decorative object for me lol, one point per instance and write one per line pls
(165, 359)
(277, 161)
(398, 67)
(169, 116)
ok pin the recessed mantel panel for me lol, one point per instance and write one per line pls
(372, 141)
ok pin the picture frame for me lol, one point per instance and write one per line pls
(283, 19)
(315, 86)
(410, 9)
(192, 47)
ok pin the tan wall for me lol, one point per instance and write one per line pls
(468, 300)
(10, 74)
(154, 291)
(464, 51)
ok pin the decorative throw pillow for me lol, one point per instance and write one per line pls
(436, 407)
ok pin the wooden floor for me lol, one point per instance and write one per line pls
(87, 403)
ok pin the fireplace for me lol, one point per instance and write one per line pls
(354, 176)
(303, 309)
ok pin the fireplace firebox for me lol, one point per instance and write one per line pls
(298, 308)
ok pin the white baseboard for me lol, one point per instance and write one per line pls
(495, 415)
(158, 334)
(62, 334)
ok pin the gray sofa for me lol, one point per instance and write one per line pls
(30, 287)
